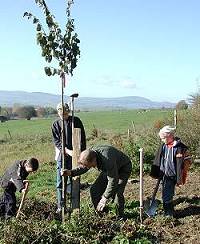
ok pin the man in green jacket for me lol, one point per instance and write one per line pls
(115, 168)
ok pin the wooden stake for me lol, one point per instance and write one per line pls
(141, 184)
(76, 180)
(23, 198)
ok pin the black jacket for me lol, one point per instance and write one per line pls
(14, 176)
(57, 136)
(179, 159)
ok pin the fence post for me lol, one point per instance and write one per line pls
(141, 185)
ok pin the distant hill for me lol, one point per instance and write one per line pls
(9, 98)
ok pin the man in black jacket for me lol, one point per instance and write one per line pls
(12, 180)
(57, 139)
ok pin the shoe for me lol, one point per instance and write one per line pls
(168, 209)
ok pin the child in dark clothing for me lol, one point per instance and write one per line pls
(12, 180)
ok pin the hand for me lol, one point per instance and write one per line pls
(65, 172)
(68, 152)
(26, 184)
(102, 203)
(24, 190)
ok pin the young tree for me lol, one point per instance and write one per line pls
(62, 48)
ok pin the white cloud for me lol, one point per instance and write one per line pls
(128, 83)
(125, 82)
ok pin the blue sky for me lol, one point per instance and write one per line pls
(148, 48)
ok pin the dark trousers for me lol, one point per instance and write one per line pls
(8, 203)
(168, 188)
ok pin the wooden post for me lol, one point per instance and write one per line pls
(76, 140)
(133, 126)
(76, 144)
(141, 184)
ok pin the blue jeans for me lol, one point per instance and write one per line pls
(168, 188)
(59, 182)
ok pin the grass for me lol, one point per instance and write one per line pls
(112, 121)
(38, 222)
(20, 139)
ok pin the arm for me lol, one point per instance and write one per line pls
(56, 133)
(183, 164)
(113, 178)
(75, 172)
(15, 174)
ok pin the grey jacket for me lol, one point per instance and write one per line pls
(114, 163)
(15, 174)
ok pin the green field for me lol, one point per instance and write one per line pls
(20, 139)
(108, 121)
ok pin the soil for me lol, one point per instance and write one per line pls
(185, 226)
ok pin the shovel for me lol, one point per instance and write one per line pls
(22, 200)
(150, 205)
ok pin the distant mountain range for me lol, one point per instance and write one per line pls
(9, 98)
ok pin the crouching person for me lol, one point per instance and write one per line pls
(115, 168)
(12, 180)
(171, 164)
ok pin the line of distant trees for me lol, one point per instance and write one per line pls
(25, 112)
(28, 112)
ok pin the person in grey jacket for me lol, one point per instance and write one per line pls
(171, 164)
(115, 168)
(13, 180)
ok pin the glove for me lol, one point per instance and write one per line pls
(102, 203)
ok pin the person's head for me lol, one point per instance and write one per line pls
(31, 165)
(61, 112)
(166, 134)
(87, 158)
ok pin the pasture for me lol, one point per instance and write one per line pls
(20, 139)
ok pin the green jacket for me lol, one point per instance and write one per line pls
(114, 163)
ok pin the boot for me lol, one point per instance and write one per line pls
(168, 209)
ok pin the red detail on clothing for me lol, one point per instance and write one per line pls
(170, 145)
